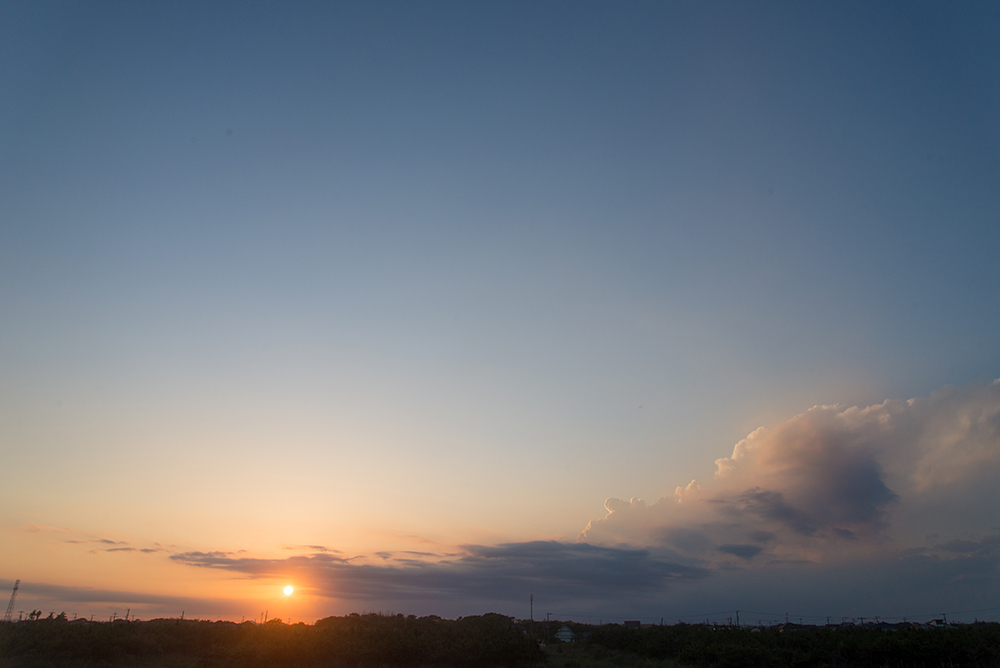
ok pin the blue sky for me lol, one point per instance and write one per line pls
(458, 273)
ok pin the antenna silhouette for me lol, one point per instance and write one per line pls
(10, 606)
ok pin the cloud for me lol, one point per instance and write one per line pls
(743, 551)
(557, 571)
(89, 595)
(832, 483)
(878, 510)
(119, 546)
(97, 541)
(46, 528)
(584, 581)
(887, 510)
(311, 548)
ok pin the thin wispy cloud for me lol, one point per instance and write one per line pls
(108, 545)
(311, 548)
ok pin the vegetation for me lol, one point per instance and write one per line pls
(363, 641)
(355, 640)
(848, 646)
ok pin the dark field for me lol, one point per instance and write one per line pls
(364, 641)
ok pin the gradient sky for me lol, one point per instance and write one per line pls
(410, 304)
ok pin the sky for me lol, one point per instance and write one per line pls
(648, 310)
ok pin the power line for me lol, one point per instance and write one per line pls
(772, 616)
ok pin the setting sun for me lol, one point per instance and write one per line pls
(289, 590)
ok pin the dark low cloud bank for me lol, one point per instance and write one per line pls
(589, 582)
(962, 580)
(480, 575)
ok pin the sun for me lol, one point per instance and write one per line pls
(288, 590)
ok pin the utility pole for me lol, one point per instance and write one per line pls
(737, 618)
(10, 605)
(531, 602)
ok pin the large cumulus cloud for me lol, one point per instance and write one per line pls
(834, 482)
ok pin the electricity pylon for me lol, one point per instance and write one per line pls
(10, 606)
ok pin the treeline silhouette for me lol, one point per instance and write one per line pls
(804, 647)
(363, 641)
(354, 640)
